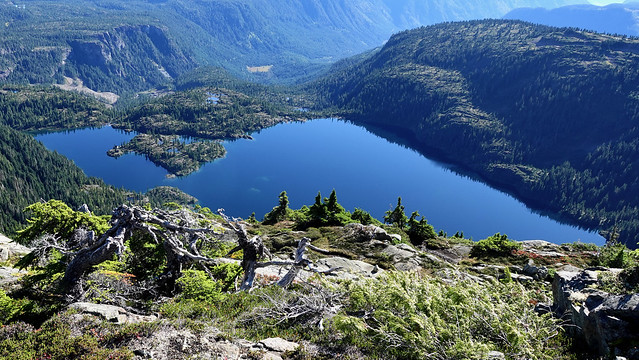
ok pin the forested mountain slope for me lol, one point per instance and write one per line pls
(124, 46)
(613, 19)
(109, 50)
(551, 114)
(29, 172)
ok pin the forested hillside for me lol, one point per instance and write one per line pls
(550, 114)
(126, 46)
(29, 172)
(42, 108)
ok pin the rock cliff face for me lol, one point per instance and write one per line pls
(127, 58)
(606, 323)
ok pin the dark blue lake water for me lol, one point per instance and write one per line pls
(321, 155)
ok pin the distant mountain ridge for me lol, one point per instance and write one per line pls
(285, 41)
(408, 14)
(620, 19)
(550, 114)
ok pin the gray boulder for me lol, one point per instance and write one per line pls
(405, 257)
(372, 232)
(542, 248)
(536, 272)
(606, 323)
(348, 269)
(10, 276)
(110, 313)
(279, 344)
(9, 249)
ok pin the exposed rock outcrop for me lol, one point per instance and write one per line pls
(606, 323)
(141, 56)
(10, 276)
(405, 257)
(372, 232)
(111, 313)
(10, 249)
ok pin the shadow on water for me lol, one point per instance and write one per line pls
(407, 140)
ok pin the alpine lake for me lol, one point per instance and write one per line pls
(366, 170)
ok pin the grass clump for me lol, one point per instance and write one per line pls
(406, 316)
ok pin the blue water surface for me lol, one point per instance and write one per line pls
(367, 171)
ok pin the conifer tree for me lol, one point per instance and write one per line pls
(396, 216)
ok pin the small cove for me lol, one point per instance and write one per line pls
(367, 171)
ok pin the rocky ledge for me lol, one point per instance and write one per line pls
(607, 323)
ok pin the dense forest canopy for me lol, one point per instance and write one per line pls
(551, 114)
(29, 172)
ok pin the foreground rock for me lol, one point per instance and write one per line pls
(10, 249)
(605, 323)
(10, 276)
(110, 313)
(372, 232)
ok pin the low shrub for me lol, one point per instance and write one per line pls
(10, 308)
(198, 285)
(496, 245)
(407, 316)
(616, 255)
(55, 340)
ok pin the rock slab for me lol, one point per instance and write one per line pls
(110, 313)
(279, 344)
(10, 249)
(606, 323)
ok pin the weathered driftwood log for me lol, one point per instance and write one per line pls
(126, 220)
(179, 237)
(254, 250)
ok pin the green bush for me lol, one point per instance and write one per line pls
(144, 257)
(197, 285)
(10, 308)
(496, 245)
(419, 231)
(396, 217)
(324, 212)
(364, 217)
(280, 212)
(56, 218)
(407, 316)
(616, 255)
(580, 246)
